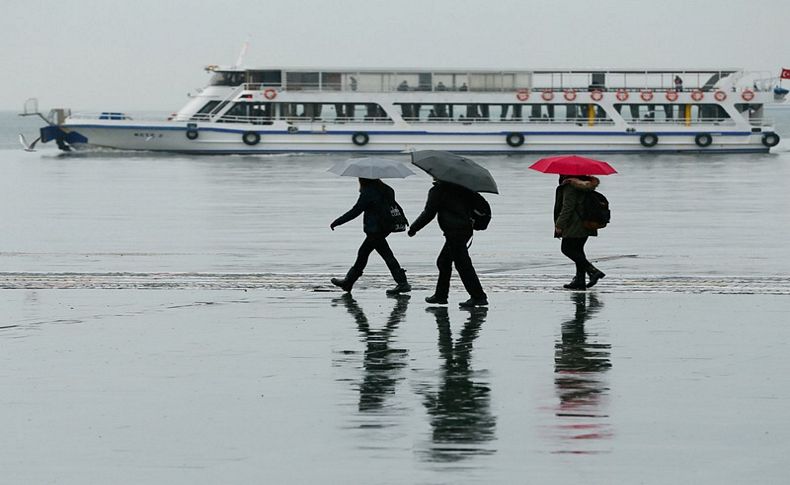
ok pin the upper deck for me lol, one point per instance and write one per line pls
(463, 80)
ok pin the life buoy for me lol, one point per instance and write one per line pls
(547, 95)
(770, 139)
(522, 94)
(569, 94)
(646, 95)
(697, 95)
(515, 139)
(250, 138)
(269, 93)
(192, 134)
(596, 95)
(747, 95)
(720, 95)
(360, 138)
(703, 140)
(621, 95)
(671, 95)
(648, 140)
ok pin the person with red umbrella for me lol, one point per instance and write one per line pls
(576, 180)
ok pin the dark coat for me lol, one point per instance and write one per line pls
(373, 200)
(452, 203)
(568, 206)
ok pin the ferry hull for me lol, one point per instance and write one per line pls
(221, 140)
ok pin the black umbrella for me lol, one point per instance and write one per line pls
(449, 167)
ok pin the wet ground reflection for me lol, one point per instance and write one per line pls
(580, 363)
(460, 408)
(381, 364)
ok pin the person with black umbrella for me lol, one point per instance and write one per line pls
(454, 205)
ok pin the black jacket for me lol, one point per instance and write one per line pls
(452, 203)
(373, 201)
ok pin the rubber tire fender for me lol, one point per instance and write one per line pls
(250, 138)
(703, 140)
(360, 138)
(648, 140)
(514, 139)
(192, 134)
(770, 140)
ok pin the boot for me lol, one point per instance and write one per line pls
(436, 300)
(474, 302)
(348, 282)
(577, 283)
(595, 275)
(401, 283)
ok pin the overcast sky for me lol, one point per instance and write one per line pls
(134, 55)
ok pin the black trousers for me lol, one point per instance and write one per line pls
(573, 248)
(455, 251)
(376, 242)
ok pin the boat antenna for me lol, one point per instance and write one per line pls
(240, 59)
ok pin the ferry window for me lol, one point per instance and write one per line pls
(256, 113)
(671, 113)
(266, 78)
(331, 81)
(208, 107)
(227, 79)
(334, 112)
(301, 80)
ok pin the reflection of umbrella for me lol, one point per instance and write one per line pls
(572, 165)
(371, 168)
(449, 167)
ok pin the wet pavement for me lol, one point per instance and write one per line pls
(219, 386)
(168, 319)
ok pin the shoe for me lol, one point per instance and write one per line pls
(402, 285)
(348, 282)
(473, 302)
(595, 275)
(577, 283)
(436, 300)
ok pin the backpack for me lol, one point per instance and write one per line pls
(595, 213)
(481, 213)
(394, 219)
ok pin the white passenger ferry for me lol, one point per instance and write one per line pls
(280, 110)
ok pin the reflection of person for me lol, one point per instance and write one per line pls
(375, 197)
(381, 363)
(453, 204)
(460, 409)
(579, 366)
(568, 225)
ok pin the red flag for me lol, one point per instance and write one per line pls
(785, 73)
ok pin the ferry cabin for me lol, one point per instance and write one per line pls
(303, 110)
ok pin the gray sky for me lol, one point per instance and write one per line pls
(147, 54)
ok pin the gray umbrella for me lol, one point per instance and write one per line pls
(371, 168)
(449, 167)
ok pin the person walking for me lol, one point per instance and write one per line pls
(568, 226)
(453, 204)
(375, 198)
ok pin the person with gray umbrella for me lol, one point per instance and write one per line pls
(376, 201)
(453, 199)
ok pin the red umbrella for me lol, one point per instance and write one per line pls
(572, 165)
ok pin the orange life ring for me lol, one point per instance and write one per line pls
(672, 95)
(747, 94)
(697, 95)
(547, 95)
(646, 95)
(569, 94)
(596, 95)
(269, 93)
(622, 95)
(522, 94)
(720, 95)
